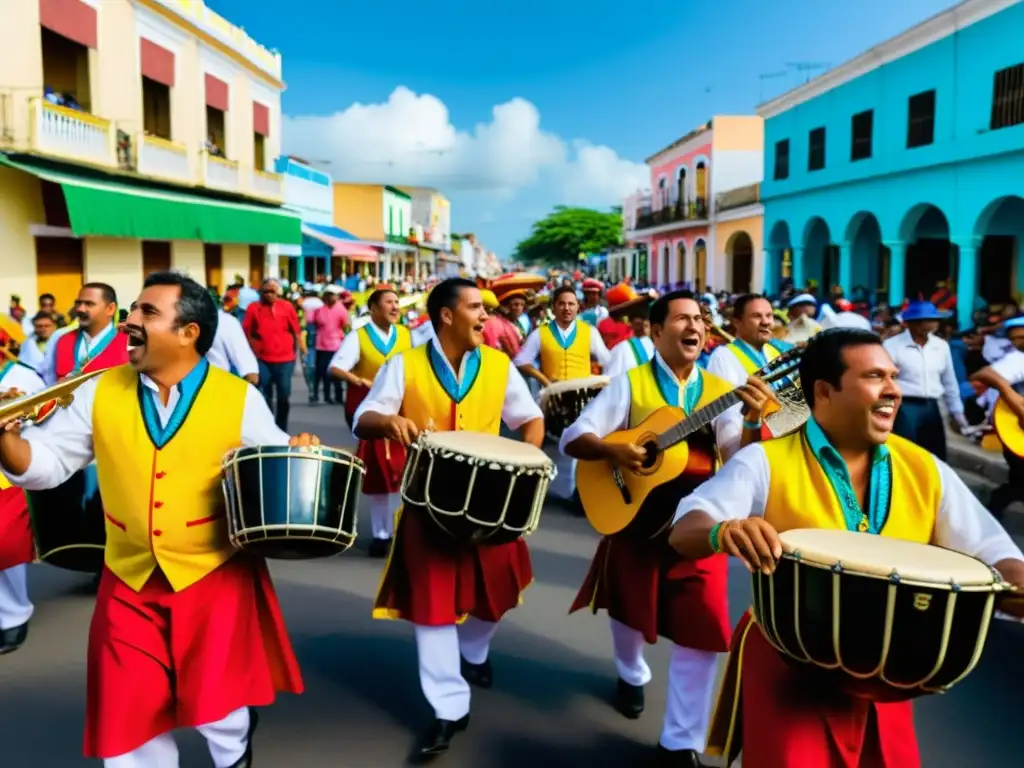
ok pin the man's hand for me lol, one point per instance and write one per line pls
(367, 383)
(625, 455)
(304, 439)
(253, 378)
(755, 395)
(753, 541)
(402, 430)
(1013, 572)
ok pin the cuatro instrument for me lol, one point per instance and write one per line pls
(890, 619)
(612, 497)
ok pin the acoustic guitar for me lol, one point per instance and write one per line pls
(612, 496)
(1008, 429)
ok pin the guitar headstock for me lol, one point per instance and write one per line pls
(783, 366)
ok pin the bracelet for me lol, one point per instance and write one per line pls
(754, 425)
(713, 537)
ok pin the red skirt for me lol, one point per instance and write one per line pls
(385, 462)
(17, 545)
(160, 660)
(431, 581)
(786, 718)
(645, 585)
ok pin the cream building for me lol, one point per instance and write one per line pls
(135, 135)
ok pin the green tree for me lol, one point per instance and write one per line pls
(564, 233)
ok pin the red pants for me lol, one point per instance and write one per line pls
(160, 660)
(431, 581)
(17, 546)
(786, 718)
(385, 462)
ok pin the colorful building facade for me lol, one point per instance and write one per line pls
(380, 216)
(903, 167)
(136, 136)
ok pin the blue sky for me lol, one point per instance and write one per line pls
(510, 113)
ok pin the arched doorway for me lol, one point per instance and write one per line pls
(869, 258)
(681, 196)
(740, 252)
(821, 258)
(1000, 228)
(664, 277)
(779, 264)
(931, 257)
(680, 262)
(701, 183)
(700, 268)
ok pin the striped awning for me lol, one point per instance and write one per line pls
(341, 242)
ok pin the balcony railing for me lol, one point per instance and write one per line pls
(221, 174)
(267, 185)
(162, 159)
(71, 134)
(739, 197)
(679, 213)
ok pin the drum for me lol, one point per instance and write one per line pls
(68, 525)
(564, 401)
(477, 488)
(292, 502)
(892, 619)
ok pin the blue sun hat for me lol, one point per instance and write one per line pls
(1014, 322)
(922, 310)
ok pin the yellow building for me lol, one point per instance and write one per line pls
(379, 215)
(739, 223)
(135, 135)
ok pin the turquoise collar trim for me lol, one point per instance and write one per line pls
(456, 390)
(82, 355)
(188, 390)
(755, 356)
(378, 343)
(879, 484)
(639, 351)
(5, 368)
(566, 342)
(669, 388)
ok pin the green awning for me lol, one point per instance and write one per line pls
(104, 208)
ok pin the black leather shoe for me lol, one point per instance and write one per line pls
(12, 639)
(379, 548)
(679, 758)
(629, 699)
(245, 761)
(480, 675)
(438, 737)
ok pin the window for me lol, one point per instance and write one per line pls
(921, 119)
(1008, 98)
(816, 150)
(65, 71)
(781, 160)
(216, 136)
(863, 127)
(259, 146)
(156, 108)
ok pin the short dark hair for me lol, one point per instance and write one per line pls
(44, 316)
(822, 359)
(47, 297)
(445, 296)
(739, 306)
(659, 309)
(563, 289)
(108, 292)
(195, 305)
(377, 295)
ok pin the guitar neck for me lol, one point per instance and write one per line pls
(696, 421)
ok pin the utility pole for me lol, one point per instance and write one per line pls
(808, 67)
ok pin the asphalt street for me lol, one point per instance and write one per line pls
(363, 707)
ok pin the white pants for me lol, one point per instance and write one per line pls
(382, 514)
(564, 484)
(226, 739)
(15, 607)
(439, 649)
(691, 683)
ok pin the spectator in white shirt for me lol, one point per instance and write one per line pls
(926, 374)
(231, 350)
(44, 326)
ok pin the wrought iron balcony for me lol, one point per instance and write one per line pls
(679, 213)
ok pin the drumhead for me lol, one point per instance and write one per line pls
(487, 447)
(880, 556)
(325, 452)
(574, 385)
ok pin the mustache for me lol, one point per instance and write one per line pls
(133, 330)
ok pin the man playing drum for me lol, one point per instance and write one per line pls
(357, 362)
(647, 590)
(187, 632)
(451, 383)
(831, 474)
(17, 546)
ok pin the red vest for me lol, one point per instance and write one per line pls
(113, 354)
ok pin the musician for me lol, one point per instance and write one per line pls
(452, 383)
(593, 312)
(801, 309)
(625, 308)
(825, 476)
(926, 373)
(186, 631)
(508, 324)
(646, 589)
(752, 349)
(231, 351)
(94, 344)
(17, 547)
(638, 348)
(357, 362)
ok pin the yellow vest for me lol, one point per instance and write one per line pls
(645, 396)
(370, 357)
(428, 405)
(560, 364)
(800, 495)
(749, 365)
(164, 506)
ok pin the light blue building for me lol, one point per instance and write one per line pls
(905, 166)
(310, 193)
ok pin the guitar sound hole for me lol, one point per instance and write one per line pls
(651, 457)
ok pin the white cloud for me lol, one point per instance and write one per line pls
(409, 139)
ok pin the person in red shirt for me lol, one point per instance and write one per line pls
(272, 327)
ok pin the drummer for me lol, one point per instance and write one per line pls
(169, 563)
(825, 476)
(452, 383)
(637, 348)
(646, 589)
(357, 362)
(94, 344)
(17, 546)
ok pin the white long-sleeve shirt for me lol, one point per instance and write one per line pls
(347, 356)
(529, 353)
(83, 352)
(422, 334)
(609, 412)
(62, 445)
(231, 348)
(32, 354)
(925, 371)
(622, 358)
(740, 490)
(18, 377)
(388, 392)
